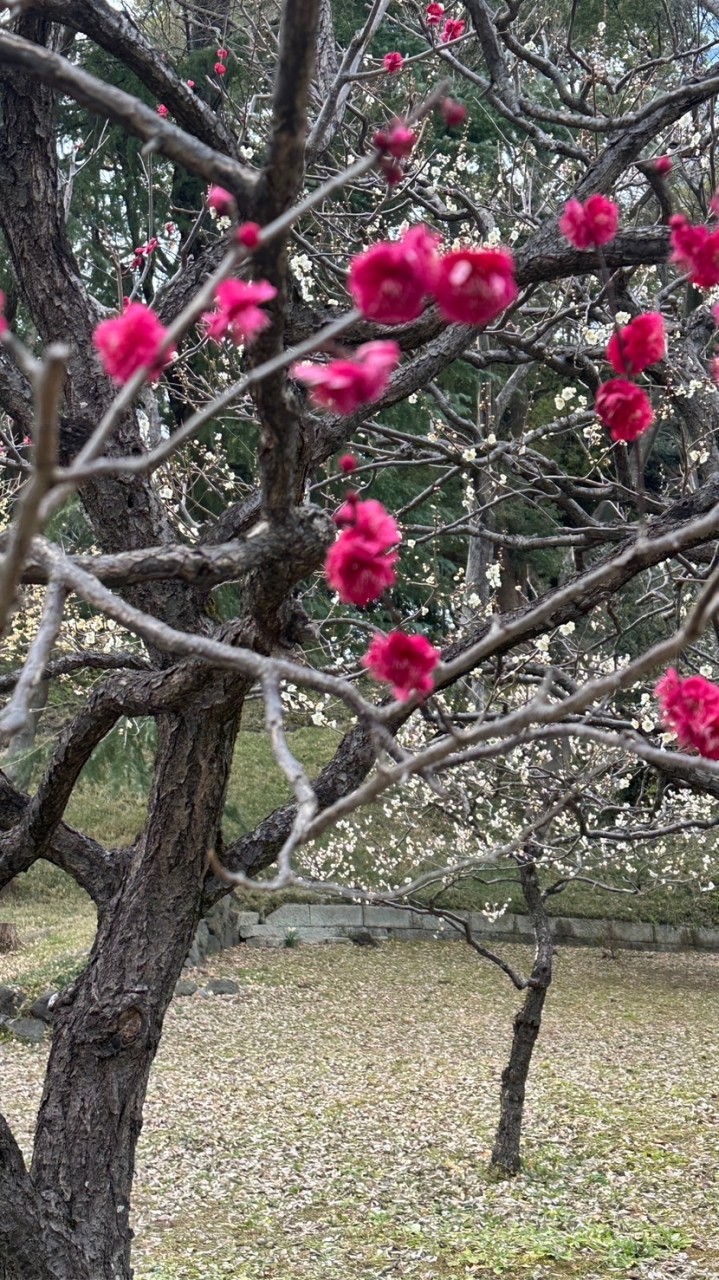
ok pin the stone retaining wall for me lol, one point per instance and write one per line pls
(227, 926)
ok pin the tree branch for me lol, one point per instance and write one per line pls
(19, 1209)
(204, 566)
(118, 33)
(122, 108)
(86, 661)
(695, 517)
(97, 870)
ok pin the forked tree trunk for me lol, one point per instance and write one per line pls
(108, 1024)
(506, 1153)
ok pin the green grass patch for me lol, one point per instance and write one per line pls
(56, 923)
(110, 803)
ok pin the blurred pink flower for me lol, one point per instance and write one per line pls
(238, 313)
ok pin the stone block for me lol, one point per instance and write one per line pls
(634, 933)
(435, 924)
(362, 938)
(43, 1007)
(221, 921)
(706, 939)
(223, 987)
(10, 1001)
(266, 940)
(202, 933)
(31, 1030)
(199, 948)
(185, 987)
(387, 918)
(313, 933)
(333, 917)
(224, 933)
(588, 933)
(506, 926)
(289, 916)
(667, 938)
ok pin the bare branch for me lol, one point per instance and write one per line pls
(48, 387)
(16, 714)
(122, 108)
(117, 33)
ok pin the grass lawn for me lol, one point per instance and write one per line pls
(332, 1121)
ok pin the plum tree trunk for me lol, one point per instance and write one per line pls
(74, 1201)
(506, 1153)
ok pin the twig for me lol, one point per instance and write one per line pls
(293, 771)
(48, 383)
(16, 715)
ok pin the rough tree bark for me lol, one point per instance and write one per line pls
(109, 1022)
(506, 1158)
(66, 1216)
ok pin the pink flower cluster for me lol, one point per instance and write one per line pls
(623, 407)
(640, 343)
(238, 314)
(360, 564)
(248, 235)
(691, 708)
(221, 201)
(452, 30)
(696, 251)
(132, 341)
(393, 62)
(453, 112)
(346, 384)
(589, 225)
(3, 322)
(220, 67)
(390, 281)
(397, 141)
(142, 252)
(453, 27)
(474, 286)
(403, 661)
